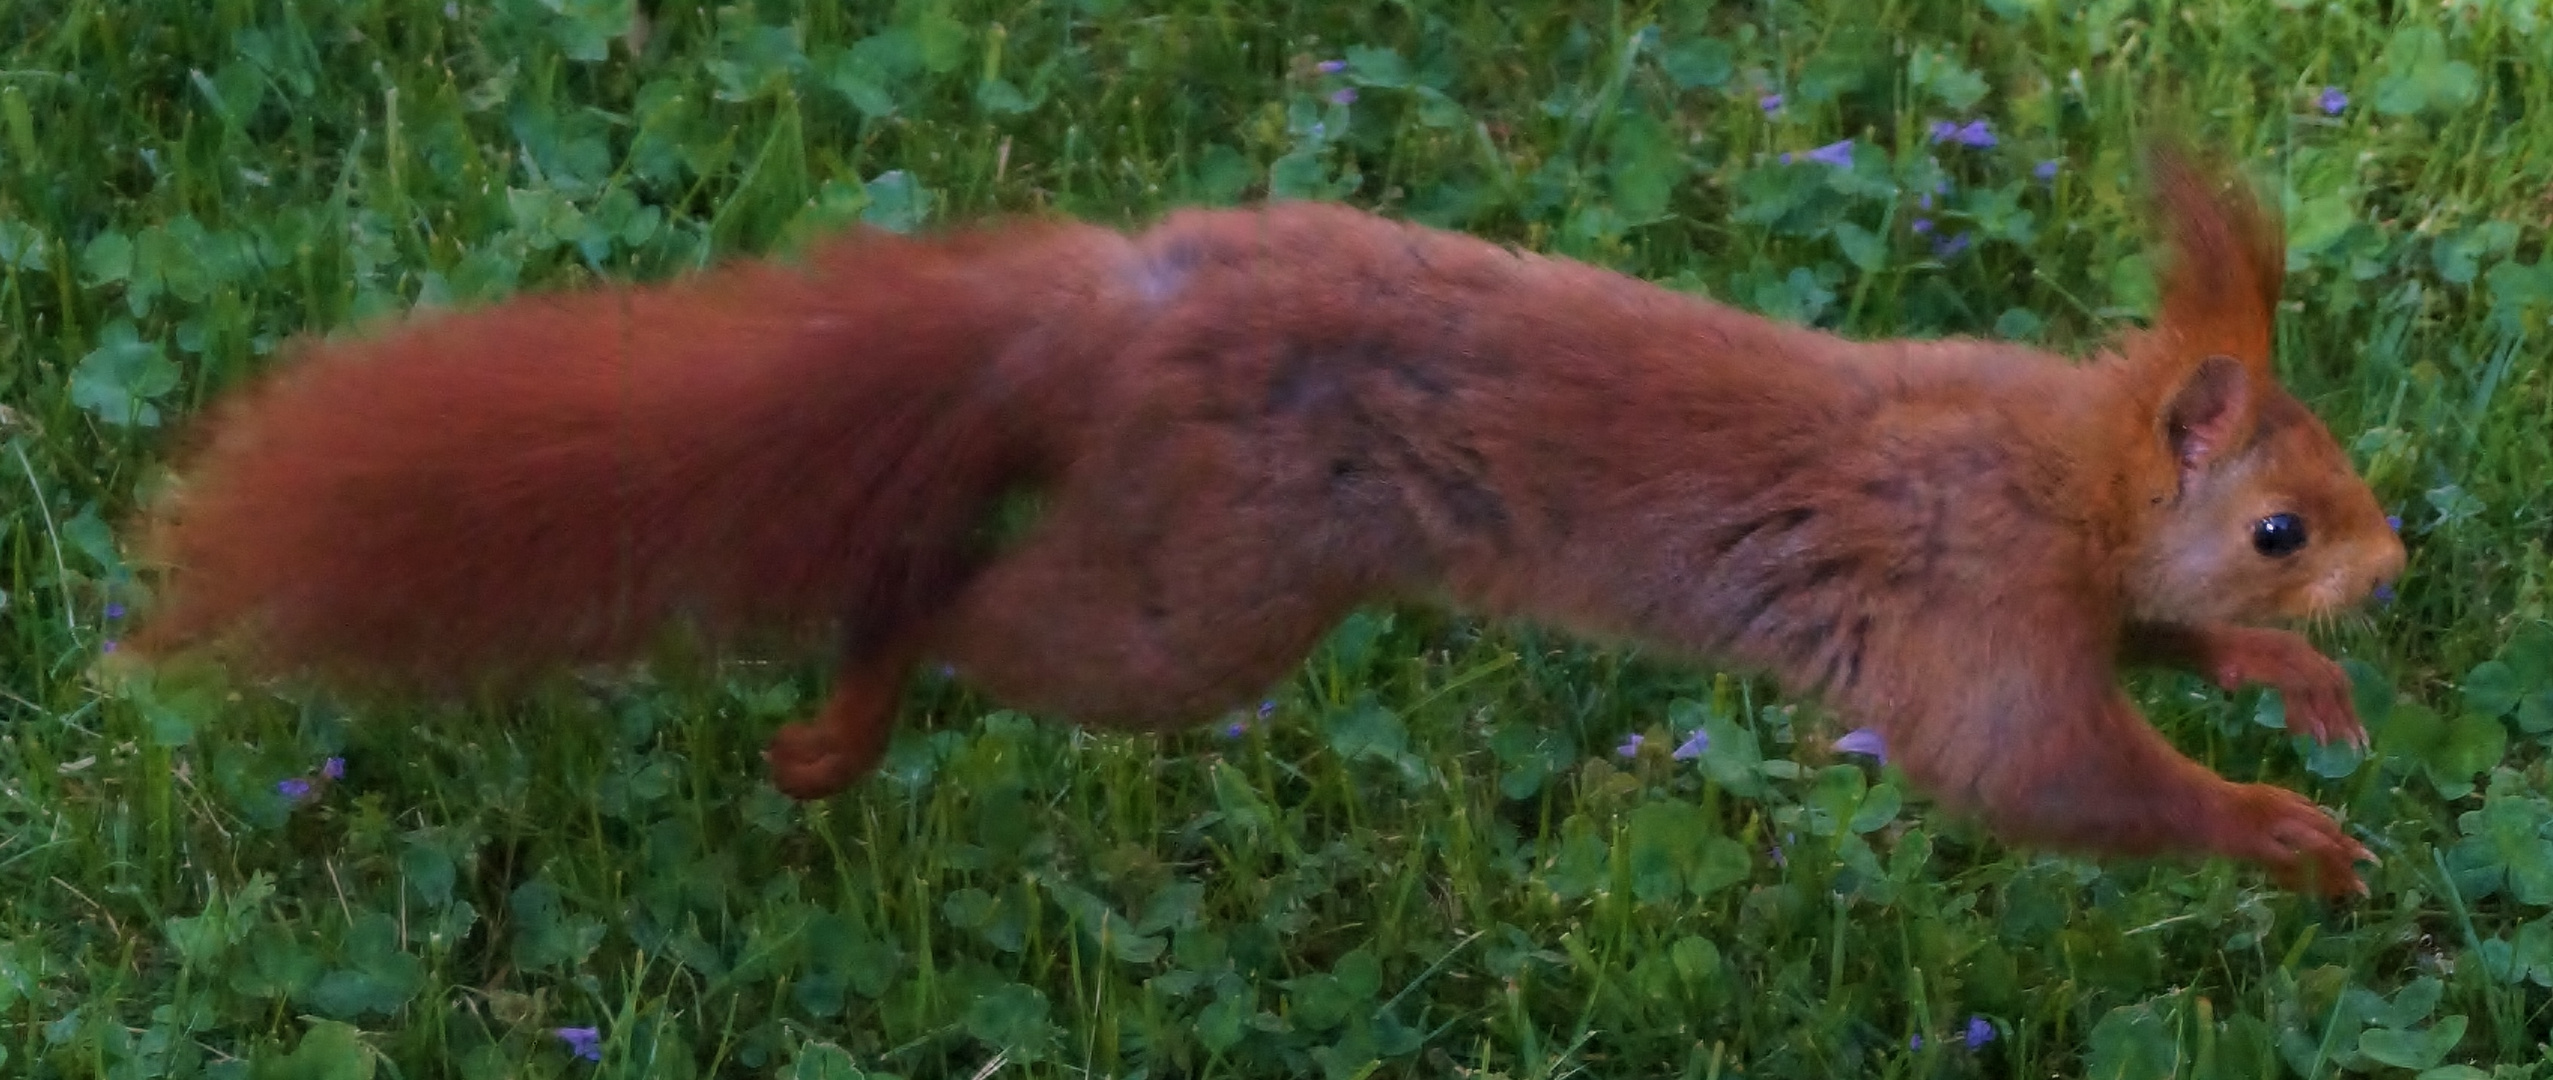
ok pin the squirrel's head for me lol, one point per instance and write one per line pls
(2256, 513)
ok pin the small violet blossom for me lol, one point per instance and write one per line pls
(2384, 594)
(1980, 1032)
(115, 611)
(1331, 67)
(1693, 747)
(1240, 725)
(107, 646)
(1922, 226)
(1838, 154)
(1345, 95)
(1950, 246)
(295, 789)
(1630, 744)
(2046, 170)
(1770, 103)
(1914, 1042)
(334, 768)
(1863, 741)
(2394, 522)
(1975, 133)
(2334, 100)
(583, 1042)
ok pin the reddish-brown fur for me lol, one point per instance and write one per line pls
(1244, 423)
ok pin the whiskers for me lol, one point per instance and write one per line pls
(2327, 621)
(2353, 619)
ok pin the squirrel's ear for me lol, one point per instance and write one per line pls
(2208, 416)
(2228, 259)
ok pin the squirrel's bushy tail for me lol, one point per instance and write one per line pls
(554, 478)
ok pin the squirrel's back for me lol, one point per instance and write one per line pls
(1523, 422)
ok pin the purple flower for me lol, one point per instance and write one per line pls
(2046, 170)
(2394, 522)
(1345, 95)
(948, 671)
(1979, 1032)
(583, 1042)
(1630, 744)
(1914, 1042)
(1236, 729)
(334, 768)
(2384, 594)
(107, 646)
(295, 789)
(1863, 741)
(1693, 747)
(1948, 247)
(1770, 103)
(1922, 226)
(114, 611)
(1331, 67)
(1973, 133)
(1923, 201)
(1267, 709)
(1838, 154)
(2334, 99)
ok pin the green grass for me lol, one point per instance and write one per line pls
(1430, 861)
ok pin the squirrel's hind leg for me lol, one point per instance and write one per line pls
(843, 742)
(1079, 623)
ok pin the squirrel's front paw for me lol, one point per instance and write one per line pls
(2298, 842)
(2314, 688)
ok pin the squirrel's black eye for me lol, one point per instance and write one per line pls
(2279, 535)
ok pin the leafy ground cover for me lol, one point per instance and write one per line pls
(1440, 848)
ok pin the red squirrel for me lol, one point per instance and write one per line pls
(1242, 423)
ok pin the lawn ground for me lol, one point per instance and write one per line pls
(1428, 855)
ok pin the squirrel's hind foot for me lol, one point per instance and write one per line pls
(844, 743)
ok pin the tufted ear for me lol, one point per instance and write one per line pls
(2226, 264)
(2208, 416)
